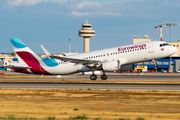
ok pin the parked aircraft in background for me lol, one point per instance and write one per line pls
(106, 60)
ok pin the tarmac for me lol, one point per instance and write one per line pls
(77, 81)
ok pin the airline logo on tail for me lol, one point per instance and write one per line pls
(28, 56)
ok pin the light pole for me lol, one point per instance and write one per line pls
(69, 45)
(170, 44)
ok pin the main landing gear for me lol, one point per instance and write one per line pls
(94, 77)
(104, 77)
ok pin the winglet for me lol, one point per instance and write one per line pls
(48, 54)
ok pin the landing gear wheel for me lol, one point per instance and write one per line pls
(104, 77)
(155, 67)
(93, 77)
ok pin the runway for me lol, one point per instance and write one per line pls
(98, 86)
(112, 77)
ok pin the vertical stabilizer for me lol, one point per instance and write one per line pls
(27, 57)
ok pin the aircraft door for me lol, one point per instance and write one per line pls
(150, 47)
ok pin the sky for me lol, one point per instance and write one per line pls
(52, 23)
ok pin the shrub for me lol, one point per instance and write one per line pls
(51, 118)
(140, 118)
(75, 109)
(83, 117)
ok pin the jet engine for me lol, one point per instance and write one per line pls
(111, 65)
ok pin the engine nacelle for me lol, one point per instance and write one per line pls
(111, 65)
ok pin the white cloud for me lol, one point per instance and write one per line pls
(76, 13)
(34, 2)
(84, 4)
(112, 14)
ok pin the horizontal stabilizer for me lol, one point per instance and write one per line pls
(18, 67)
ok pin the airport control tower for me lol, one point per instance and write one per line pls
(86, 32)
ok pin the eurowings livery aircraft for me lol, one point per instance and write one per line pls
(106, 60)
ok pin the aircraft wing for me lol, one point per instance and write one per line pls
(17, 67)
(77, 61)
(46, 51)
(73, 60)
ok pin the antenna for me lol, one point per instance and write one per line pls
(69, 45)
(86, 21)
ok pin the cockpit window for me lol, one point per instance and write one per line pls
(164, 44)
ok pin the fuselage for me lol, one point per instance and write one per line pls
(125, 54)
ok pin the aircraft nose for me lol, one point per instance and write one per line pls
(174, 50)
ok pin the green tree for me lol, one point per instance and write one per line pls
(12, 54)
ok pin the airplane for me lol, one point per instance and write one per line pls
(111, 59)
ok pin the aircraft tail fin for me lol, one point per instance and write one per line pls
(23, 52)
(26, 57)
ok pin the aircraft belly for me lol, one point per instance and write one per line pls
(64, 69)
